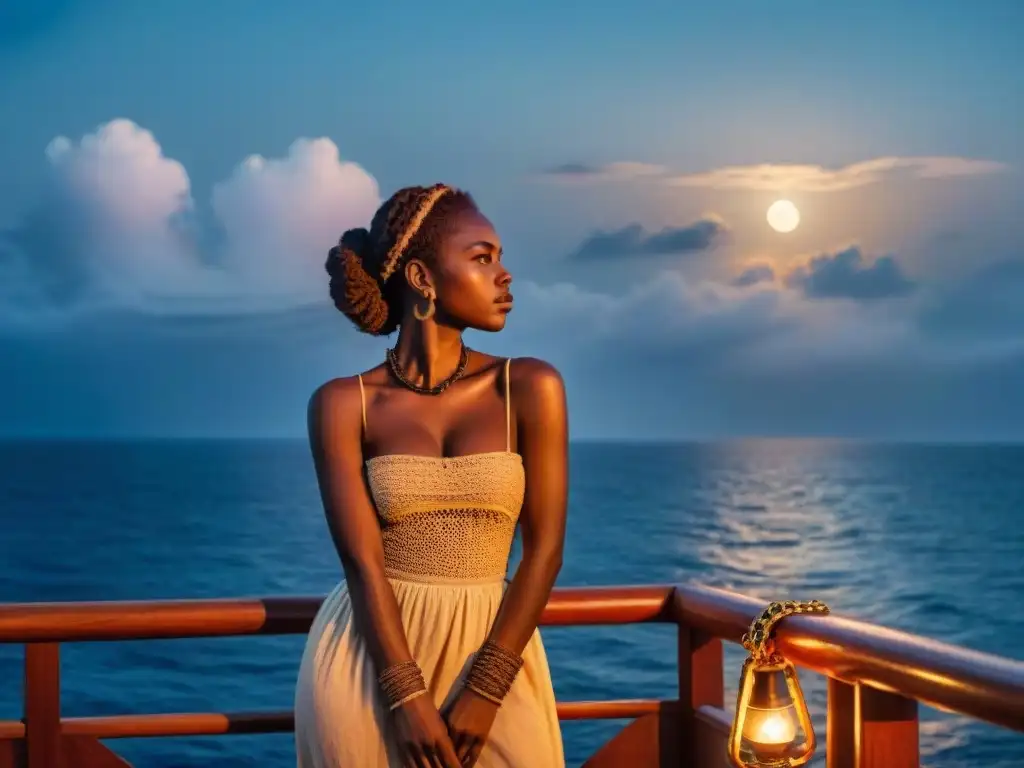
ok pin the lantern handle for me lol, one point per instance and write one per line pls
(758, 640)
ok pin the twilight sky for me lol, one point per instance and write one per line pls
(173, 174)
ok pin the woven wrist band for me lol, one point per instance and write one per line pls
(401, 683)
(493, 671)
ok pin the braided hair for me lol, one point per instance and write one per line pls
(364, 265)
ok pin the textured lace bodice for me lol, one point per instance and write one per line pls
(447, 519)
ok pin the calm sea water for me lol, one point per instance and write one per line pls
(925, 539)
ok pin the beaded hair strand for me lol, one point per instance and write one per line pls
(409, 232)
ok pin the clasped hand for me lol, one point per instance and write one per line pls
(452, 739)
(469, 718)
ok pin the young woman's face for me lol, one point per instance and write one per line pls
(470, 280)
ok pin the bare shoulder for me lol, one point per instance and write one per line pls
(536, 385)
(534, 372)
(335, 402)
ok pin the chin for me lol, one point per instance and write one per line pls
(492, 324)
(494, 327)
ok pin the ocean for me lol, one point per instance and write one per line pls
(927, 539)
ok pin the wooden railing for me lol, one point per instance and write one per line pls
(876, 677)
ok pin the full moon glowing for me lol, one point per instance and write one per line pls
(783, 216)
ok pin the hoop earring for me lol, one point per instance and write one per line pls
(429, 312)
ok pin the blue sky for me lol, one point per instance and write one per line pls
(175, 172)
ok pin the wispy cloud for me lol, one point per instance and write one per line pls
(582, 173)
(632, 240)
(754, 274)
(818, 178)
(785, 177)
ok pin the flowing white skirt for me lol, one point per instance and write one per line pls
(341, 719)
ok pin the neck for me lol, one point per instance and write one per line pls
(427, 352)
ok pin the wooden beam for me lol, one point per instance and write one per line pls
(651, 741)
(841, 733)
(42, 705)
(701, 684)
(888, 730)
(85, 752)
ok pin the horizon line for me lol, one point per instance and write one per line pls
(13, 439)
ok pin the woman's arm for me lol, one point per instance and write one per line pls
(334, 421)
(542, 427)
(335, 438)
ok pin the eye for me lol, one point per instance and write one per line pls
(483, 258)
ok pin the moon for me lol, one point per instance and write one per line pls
(783, 216)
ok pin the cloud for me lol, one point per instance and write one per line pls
(579, 172)
(633, 241)
(817, 178)
(847, 275)
(281, 216)
(118, 227)
(754, 274)
(754, 339)
(715, 357)
(786, 177)
(671, 318)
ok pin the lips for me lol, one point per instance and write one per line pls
(505, 298)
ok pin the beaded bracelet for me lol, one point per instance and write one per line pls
(401, 683)
(493, 671)
(410, 697)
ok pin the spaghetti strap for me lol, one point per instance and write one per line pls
(508, 408)
(362, 401)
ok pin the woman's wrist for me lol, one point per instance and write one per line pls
(493, 671)
(401, 683)
(406, 699)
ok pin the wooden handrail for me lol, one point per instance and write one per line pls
(162, 619)
(150, 620)
(945, 676)
(155, 619)
(876, 674)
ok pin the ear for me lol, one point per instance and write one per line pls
(417, 274)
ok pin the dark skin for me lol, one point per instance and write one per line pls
(470, 285)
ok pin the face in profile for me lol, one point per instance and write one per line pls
(469, 277)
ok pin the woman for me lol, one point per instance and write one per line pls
(423, 656)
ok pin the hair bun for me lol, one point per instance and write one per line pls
(355, 291)
(357, 240)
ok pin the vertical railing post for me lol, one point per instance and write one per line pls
(887, 730)
(701, 683)
(841, 727)
(42, 705)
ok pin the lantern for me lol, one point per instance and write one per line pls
(772, 727)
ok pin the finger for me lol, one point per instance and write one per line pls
(457, 738)
(421, 758)
(436, 761)
(409, 759)
(463, 745)
(447, 752)
(474, 753)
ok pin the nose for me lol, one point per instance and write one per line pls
(504, 277)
